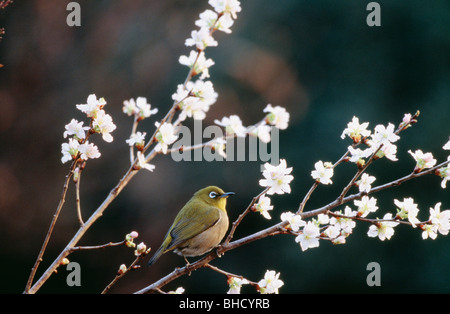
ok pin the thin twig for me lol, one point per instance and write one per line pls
(241, 216)
(96, 247)
(52, 225)
(78, 201)
(120, 275)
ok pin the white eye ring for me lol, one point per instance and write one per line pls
(213, 194)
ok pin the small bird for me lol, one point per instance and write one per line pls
(199, 226)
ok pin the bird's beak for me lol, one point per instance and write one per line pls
(225, 195)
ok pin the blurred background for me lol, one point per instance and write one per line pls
(317, 59)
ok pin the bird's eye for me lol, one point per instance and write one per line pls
(213, 194)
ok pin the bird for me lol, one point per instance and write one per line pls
(199, 226)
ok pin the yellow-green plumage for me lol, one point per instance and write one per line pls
(199, 226)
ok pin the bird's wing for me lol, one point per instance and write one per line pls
(195, 222)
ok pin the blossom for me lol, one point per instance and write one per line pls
(345, 224)
(137, 139)
(165, 136)
(364, 184)
(140, 249)
(69, 150)
(142, 163)
(322, 219)
(122, 269)
(233, 125)
(226, 6)
(203, 90)
(366, 205)
(88, 150)
(332, 231)
(235, 284)
(104, 125)
(201, 39)
(323, 172)
(440, 219)
(93, 106)
(195, 99)
(138, 107)
(263, 206)
(355, 130)
(198, 62)
(144, 108)
(75, 128)
(179, 290)
(219, 144)
(262, 131)
(295, 221)
(444, 173)
(408, 209)
(422, 160)
(271, 282)
(429, 231)
(309, 238)
(209, 19)
(277, 116)
(357, 154)
(447, 145)
(277, 178)
(384, 134)
(388, 150)
(383, 230)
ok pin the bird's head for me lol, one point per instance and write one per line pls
(214, 196)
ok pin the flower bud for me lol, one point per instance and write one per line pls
(122, 269)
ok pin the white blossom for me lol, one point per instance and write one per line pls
(355, 130)
(447, 145)
(93, 106)
(295, 221)
(104, 125)
(88, 150)
(384, 134)
(165, 136)
(323, 172)
(364, 184)
(75, 128)
(408, 209)
(201, 39)
(366, 205)
(142, 163)
(69, 150)
(226, 6)
(137, 138)
(423, 160)
(383, 230)
(309, 238)
(271, 282)
(263, 206)
(277, 178)
(262, 131)
(444, 173)
(277, 116)
(233, 125)
(235, 284)
(440, 219)
(198, 62)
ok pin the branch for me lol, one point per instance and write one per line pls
(52, 225)
(276, 229)
(81, 231)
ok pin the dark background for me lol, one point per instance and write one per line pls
(318, 59)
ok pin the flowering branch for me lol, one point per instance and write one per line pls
(193, 99)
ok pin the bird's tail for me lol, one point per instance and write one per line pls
(155, 256)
